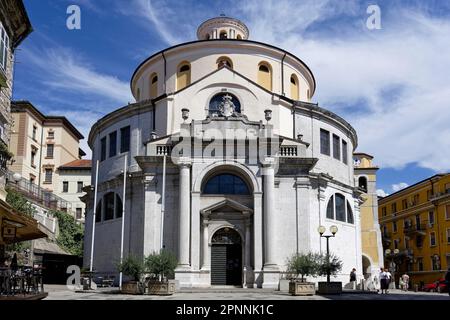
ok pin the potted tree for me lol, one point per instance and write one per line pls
(329, 266)
(161, 267)
(133, 268)
(303, 265)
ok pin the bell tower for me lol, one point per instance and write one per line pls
(222, 27)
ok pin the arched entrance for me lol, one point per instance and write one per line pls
(366, 265)
(226, 258)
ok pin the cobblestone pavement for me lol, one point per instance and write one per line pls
(63, 293)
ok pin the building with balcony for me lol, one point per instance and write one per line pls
(416, 222)
(229, 165)
(47, 154)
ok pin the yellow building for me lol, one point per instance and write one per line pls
(415, 222)
(365, 179)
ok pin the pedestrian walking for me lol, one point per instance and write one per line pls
(405, 280)
(353, 278)
(385, 279)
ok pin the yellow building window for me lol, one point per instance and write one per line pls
(183, 75)
(265, 76)
(294, 87)
(153, 85)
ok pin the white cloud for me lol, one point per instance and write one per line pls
(382, 193)
(61, 69)
(399, 186)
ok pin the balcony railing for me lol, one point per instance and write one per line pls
(5, 156)
(36, 194)
(415, 229)
(288, 151)
(163, 150)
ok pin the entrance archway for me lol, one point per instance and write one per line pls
(366, 265)
(226, 258)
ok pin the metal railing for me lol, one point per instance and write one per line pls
(36, 194)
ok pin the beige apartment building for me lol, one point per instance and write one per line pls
(43, 147)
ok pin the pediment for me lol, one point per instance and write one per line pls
(225, 206)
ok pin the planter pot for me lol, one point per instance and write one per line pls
(160, 288)
(330, 288)
(132, 287)
(298, 288)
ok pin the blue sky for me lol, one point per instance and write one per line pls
(392, 84)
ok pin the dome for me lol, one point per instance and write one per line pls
(222, 27)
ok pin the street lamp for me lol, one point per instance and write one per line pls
(333, 230)
(392, 266)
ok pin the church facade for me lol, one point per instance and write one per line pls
(229, 165)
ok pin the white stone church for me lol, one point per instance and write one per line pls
(230, 165)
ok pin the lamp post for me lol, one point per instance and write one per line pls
(333, 230)
(392, 266)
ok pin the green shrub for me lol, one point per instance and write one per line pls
(304, 265)
(132, 267)
(161, 264)
(20, 203)
(71, 233)
(332, 265)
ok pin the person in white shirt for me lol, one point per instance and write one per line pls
(385, 279)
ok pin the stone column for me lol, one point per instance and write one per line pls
(184, 215)
(247, 244)
(205, 247)
(269, 214)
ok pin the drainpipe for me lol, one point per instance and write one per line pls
(40, 155)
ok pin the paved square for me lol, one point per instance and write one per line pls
(63, 293)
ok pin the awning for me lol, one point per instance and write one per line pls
(44, 246)
(17, 227)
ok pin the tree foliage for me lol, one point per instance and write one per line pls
(331, 264)
(161, 264)
(313, 264)
(304, 265)
(20, 203)
(132, 267)
(71, 233)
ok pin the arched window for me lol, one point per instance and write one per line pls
(350, 218)
(208, 36)
(340, 209)
(224, 61)
(330, 208)
(239, 37)
(153, 85)
(223, 35)
(308, 94)
(108, 200)
(226, 184)
(138, 94)
(294, 87)
(265, 76)
(215, 102)
(119, 207)
(183, 75)
(362, 183)
(98, 212)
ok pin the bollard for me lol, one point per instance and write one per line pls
(416, 287)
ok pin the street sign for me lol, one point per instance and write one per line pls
(9, 232)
